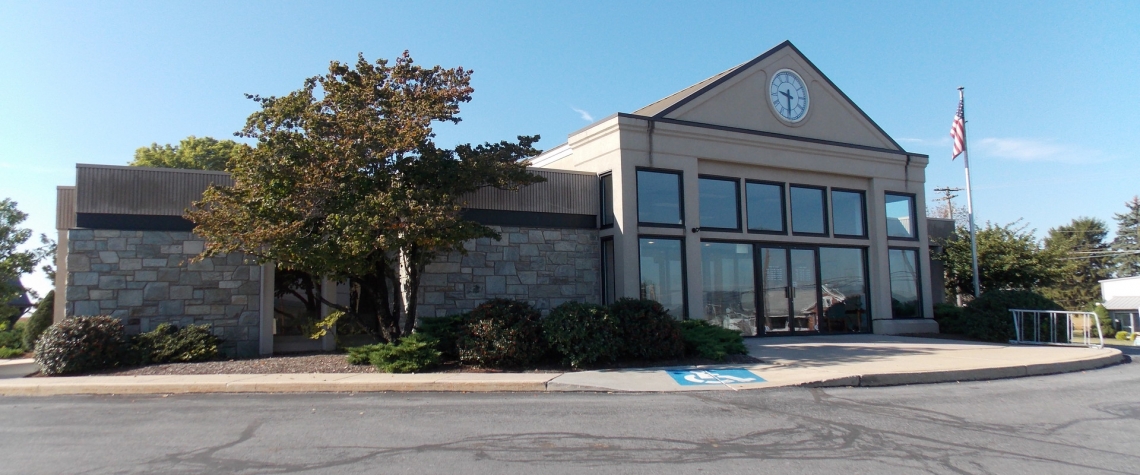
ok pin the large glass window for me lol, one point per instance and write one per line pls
(844, 290)
(607, 200)
(847, 213)
(608, 277)
(720, 201)
(659, 198)
(900, 216)
(729, 286)
(905, 302)
(662, 273)
(765, 207)
(808, 210)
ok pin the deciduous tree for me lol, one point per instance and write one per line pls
(1009, 257)
(346, 182)
(191, 153)
(13, 261)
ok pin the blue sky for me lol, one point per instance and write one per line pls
(1053, 98)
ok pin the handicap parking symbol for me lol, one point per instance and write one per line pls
(701, 377)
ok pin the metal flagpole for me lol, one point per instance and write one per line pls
(969, 197)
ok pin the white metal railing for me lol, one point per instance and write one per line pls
(1054, 327)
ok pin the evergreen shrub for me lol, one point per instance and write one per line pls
(445, 330)
(581, 333)
(710, 341)
(40, 320)
(414, 353)
(12, 339)
(502, 333)
(646, 329)
(950, 318)
(81, 344)
(170, 344)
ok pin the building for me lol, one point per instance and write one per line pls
(762, 199)
(1122, 300)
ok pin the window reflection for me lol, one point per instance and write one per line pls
(718, 203)
(658, 197)
(607, 199)
(844, 290)
(847, 213)
(662, 277)
(807, 210)
(729, 287)
(765, 207)
(900, 216)
(904, 283)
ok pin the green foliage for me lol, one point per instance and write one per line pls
(414, 353)
(502, 333)
(1127, 241)
(445, 330)
(1009, 257)
(950, 318)
(9, 353)
(40, 320)
(81, 344)
(1103, 317)
(1084, 262)
(581, 333)
(346, 182)
(1123, 335)
(710, 341)
(988, 317)
(170, 344)
(14, 262)
(192, 153)
(646, 329)
(12, 339)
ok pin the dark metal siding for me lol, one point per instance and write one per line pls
(107, 189)
(64, 207)
(562, 192)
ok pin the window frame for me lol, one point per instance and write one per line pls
(867, 285)
(862, 212)
(684, 269)
(680, 196)
(739, 218)
(783, 207)
(824, 211)
(919, 307)
(602, 214)
(604, 280)
(913, 216)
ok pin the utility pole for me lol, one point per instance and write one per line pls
(948, 196)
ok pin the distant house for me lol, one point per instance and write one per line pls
(762, 199)
(1122, 300)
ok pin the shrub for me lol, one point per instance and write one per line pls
(988, 318)
(1122, 335)
(646, 330)
(12, 336)
(8, 353)
(581, 333)
(414, 353)
(710, 341)
(39, 321)
(445, 330)
(950, 318)
(501, 333)
(170, 344)
(80, 344)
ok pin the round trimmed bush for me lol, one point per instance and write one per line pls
(581, 333)
(646, 329)
(81, 344)
(502, 333)
(988, 318)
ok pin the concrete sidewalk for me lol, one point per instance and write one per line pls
(821, 361)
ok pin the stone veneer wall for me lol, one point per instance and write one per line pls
(145, 278)
(544, 267)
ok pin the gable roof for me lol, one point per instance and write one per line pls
(662, 108)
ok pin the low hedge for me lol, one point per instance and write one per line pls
(988, 317)
(501, 333)
(445, 330)
(414, 353)
(582, 334)
(646, 329)
(710, 341)
(170, 344)
(82, 344)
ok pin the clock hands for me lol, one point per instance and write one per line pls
(788, 95)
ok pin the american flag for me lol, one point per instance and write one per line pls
(958, 131)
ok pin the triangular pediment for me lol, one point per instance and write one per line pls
(739, 98)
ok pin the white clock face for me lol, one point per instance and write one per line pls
(789, 95)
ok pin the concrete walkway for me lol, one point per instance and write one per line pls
(822, 361)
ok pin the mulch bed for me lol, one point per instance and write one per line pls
(335, 363)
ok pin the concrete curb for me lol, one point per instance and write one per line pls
(18, 368)
(979, 374)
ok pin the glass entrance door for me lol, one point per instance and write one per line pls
(791, 290)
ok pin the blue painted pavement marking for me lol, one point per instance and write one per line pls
(701, 377)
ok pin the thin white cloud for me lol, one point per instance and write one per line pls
(585, 115)
(1029, 150)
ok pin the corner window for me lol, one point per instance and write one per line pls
(847, 216)
(905, 301)
(900, 216)
(663, 273)
(607, 200)
(608, 277)
(659, 198)
(808, 210)
(720, 203)
(765, 207)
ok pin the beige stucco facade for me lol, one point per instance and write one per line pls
(726, 127)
